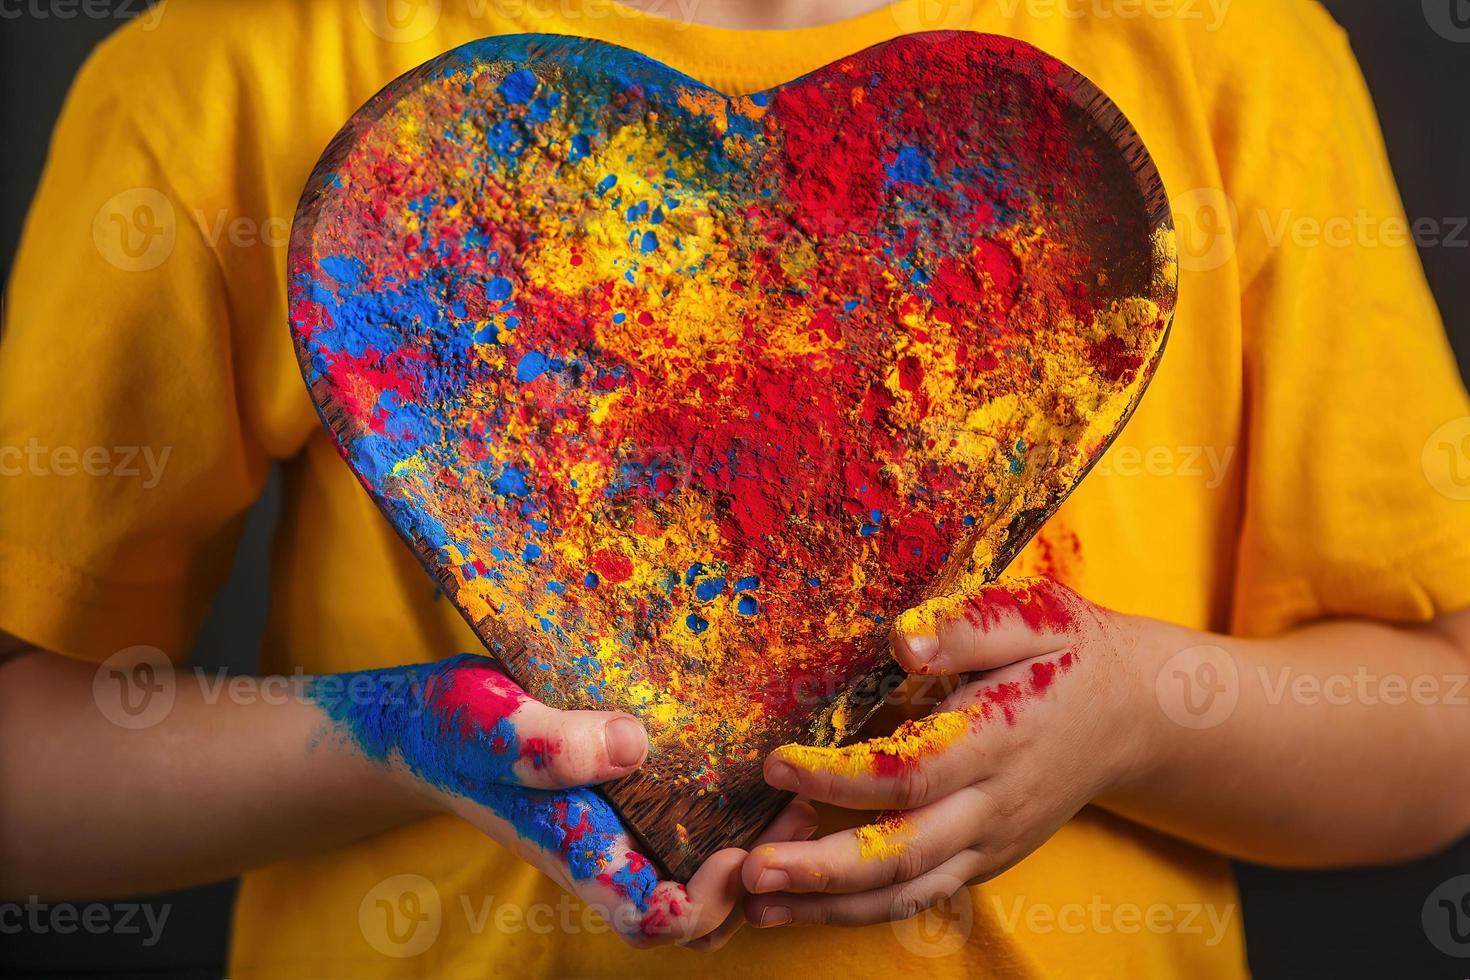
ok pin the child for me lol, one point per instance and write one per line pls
(1279, 531)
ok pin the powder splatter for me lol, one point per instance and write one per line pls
(1040, 604)
(885, 838)
(598, 338)
(451, 725)
(915, 740)
(889, 755)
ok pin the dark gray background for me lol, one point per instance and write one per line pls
(1352, 923)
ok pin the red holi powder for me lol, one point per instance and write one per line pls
(1012, 696)
(539, 751)
(479, 695)
(1113, 359)
(611, 566)
(1043, 606)
(888, 764)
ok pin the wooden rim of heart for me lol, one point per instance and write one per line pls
(757, 805)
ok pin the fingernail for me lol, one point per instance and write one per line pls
(626, 743)
(774, 915)
(782, 776)
(922, 649)
(772, 880)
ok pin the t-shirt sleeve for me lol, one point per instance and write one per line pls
(1357, 430)
(124, 465)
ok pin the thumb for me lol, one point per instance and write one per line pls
(507, 737)
(988, 627)
(562, 749)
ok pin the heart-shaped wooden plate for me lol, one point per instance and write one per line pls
(682, 397)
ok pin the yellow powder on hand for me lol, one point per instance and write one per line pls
(884, 839)
(910, 742)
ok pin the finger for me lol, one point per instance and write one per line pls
(897, 847)
(890, 904)
(926, 759)
(505, 736)
(907, 769)
(578, 839)
(994, 625)
(562, 749)
(682, 914)
(798, 822)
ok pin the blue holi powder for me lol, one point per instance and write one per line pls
(619, 317)
(697, 624)
(748, 606)
(511, 482)
(556, 587)
(910, 166)
(540, 110)
(507, 138)
(814, 582)
(969, 520)
(531, 366)
(649, 243)
(747, 583)
(606, 184)
(347, 271)
(709, 589)
(531, 553)
(392, 713)
(580, 147)
(499, 289)
(693, 573)
(519, 86)
(405, 421)
(590, 580)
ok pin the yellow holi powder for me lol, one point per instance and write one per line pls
(909, 743)
(887, 838)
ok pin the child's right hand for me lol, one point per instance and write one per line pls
(466, 736)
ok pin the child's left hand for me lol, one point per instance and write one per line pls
(1005, 760)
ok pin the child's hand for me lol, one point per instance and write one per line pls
(468, 736)
(976, 786)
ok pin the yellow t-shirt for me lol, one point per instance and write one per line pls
(1296, 456)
